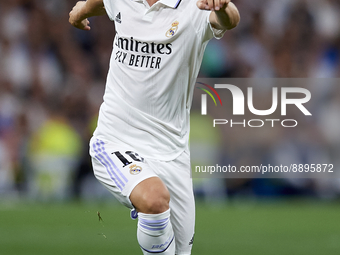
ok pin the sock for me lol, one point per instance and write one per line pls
(155, 234)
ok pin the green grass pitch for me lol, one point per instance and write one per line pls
(296, 228)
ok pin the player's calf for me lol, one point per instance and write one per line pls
(154, 233)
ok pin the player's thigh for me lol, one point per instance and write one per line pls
(183, 219)
(118, 168)
(177, 178)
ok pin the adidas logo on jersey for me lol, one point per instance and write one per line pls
(192, 240)
(118, 18)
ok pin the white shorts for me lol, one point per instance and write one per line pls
(120, 168)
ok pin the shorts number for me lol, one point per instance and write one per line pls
(134, 156)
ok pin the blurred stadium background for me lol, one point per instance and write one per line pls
(52, 80)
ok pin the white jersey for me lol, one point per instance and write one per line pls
(156, 57)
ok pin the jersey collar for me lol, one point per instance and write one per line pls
(171, 3)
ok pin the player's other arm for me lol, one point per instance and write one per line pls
(86, 9)
(224, 15)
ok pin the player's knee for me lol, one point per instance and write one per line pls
(151, 196)
(156, 202)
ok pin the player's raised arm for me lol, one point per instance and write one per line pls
(86, 9)
(224, 13)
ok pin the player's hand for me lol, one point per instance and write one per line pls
(76, 16)
(213, 5)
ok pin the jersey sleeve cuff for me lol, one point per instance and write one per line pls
(217, 33)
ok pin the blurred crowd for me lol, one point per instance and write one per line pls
(52, 80)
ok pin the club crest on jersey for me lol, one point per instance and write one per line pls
(174, 27)
(134, 169)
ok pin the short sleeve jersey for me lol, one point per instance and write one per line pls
(157, 53)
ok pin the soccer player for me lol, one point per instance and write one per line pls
(140, 147)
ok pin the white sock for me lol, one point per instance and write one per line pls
(155, 234)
